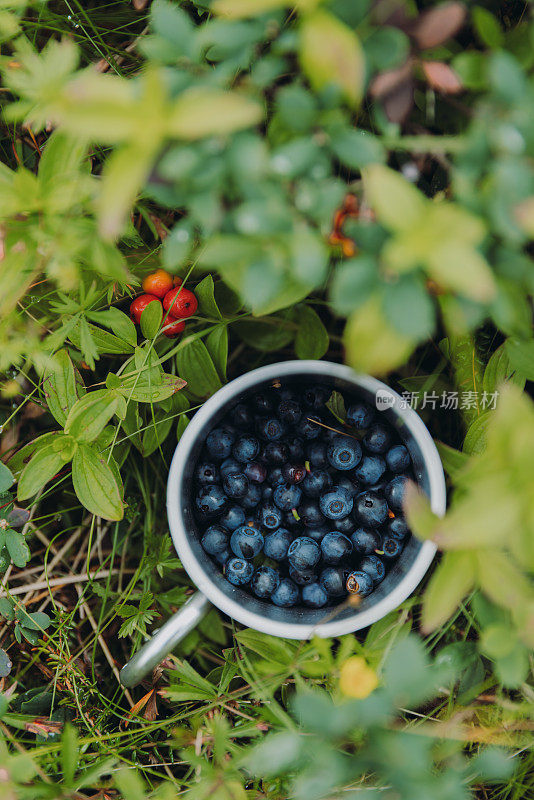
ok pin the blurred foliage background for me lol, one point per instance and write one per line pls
(339, 179)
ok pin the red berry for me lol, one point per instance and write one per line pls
(172, 327)
(139, 305)
(180, 302)
(158, 283)
(177, 281)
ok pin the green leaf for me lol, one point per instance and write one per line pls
(92, 412)
(60, 386)
(309, 256)
(18, 460)
(387, 192)
(353, 283)
(488, 29)
(69, 753)
(502, 581)
(499, 370)
(460, 268)
(277, 753)
(409, 308)
(217, 346)
(452, 580)
(513, 669)
(498, 640)
(330, 54)
(475, 439)
(453, 460)
(104, 342)
(205, 294)
(356, 148)
(44, 464)
(17, 548)
(177, 245)
(194, 364)
(5, 664)
(6, 478)
(312, 337)
(521, 355)
(419, 514)
(205, 111)
(151, 318)
(471, 68)
(156, 433)
(119, 322)
(96, 485)
(141, 390)
(372, 344)
(236, 9)
(336, 405)
(266, 335)
(130, 784)
(7, 609)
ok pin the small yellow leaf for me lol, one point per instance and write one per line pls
(398, 205)
(371, 344)
(356, 678)
(207, 112)
(460, 268)
(331, 53)
(524, 214)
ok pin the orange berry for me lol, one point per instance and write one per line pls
(158, 283)
(139, 305)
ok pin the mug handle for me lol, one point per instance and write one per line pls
(164, 640)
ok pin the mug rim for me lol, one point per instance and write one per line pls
(297, 630)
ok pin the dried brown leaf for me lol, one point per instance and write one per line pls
(435, 26)
(398, 104)
(442, 77)
(388, 81)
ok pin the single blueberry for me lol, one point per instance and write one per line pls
(398, 458)
(246, 542)
(335, 548)
(374, 566)
(275, 477)
(360, 415)
(317, 533)
(303, 553)
(336, 503)
(316, 454)
(301, 576)
(308, 427)
(267, 493)
(241, 416)
(235, 485)
(291, 521)
(261, 403)
(228, 466)
(398, 528)
(295, 448)
(286, 594)
(264, 581)
(395, 491)
(310, 513)
(371, 509)
(294, 473)
(206, 474)
(232, 518)
(246, 448)
(277, 543)
(211, 500)
(316, 482)
(215, 540)
(391, 547)
(359, 583)
(269, 516)
(378, 438)
(287, 496)
(345, 482)
(365, 541)
(315, 397)
(275, 453)
(333, 579)
(314, 595)
(370, 469)
(222, 557)
(219, 443)
(238, 571)
(345, 525)
(253, 496)
(255, 471)
(344, 453)
(289, 411)
(270, 429)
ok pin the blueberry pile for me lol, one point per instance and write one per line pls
(296, 507)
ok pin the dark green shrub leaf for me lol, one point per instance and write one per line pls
(96, 485)
(5, 664)
(156, 433)
(142, 391)
(205, 294)
(18, 460)
(309, 256)
(353, 283)
(475, 438)
(267, 335)
(453, 460)
(194, 364)
(499, 370)
(151, 319)
(119, 322)
(103, 341)
(177, 245)
(521, 355)
(7, 609)
(488, 29)
(450, 583)
(91, 413)
(409, 308)
(312, 339)
(69, 753)
(60, 386)
(357, 148)
(336, 405)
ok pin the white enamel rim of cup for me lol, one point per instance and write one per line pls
(241, 613)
